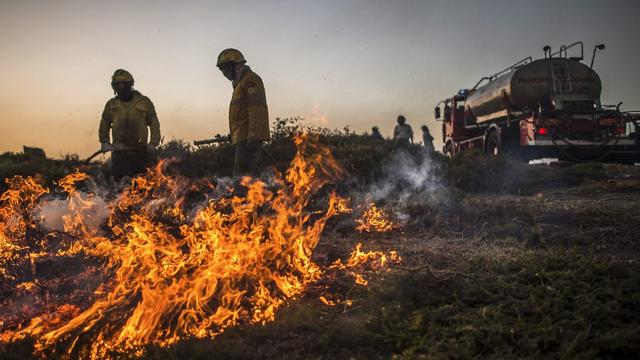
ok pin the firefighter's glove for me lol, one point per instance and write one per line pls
(106, 147)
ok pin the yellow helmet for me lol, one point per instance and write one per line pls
(228, 55)
(121, 75)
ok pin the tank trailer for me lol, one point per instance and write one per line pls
(548, 107)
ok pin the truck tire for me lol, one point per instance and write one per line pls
(493, 145)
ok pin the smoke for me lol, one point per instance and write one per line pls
(407, 175)
(61, 213)
(409, 182)
(50, 214)
(91, 209)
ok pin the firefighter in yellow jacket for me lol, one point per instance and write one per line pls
(248, 112)
(129, 116)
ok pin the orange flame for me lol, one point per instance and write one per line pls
(374, 220)
(16, 205)
(177, 270)
(358, 258)
(234, 260)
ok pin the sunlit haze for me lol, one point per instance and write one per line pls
(335, 63)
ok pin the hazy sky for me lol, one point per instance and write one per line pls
(336, 63)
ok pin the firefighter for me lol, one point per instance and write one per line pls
(427, 139)
(402, 133)
(129, 116)
(375, 134)
(248, 112)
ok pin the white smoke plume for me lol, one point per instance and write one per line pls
(408, 180)
(92, 209)
(407, 176)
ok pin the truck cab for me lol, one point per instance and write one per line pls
(457, 126)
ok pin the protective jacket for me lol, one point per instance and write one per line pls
(128, 122)
(248, 112)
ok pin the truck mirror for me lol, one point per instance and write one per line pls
(437, 112)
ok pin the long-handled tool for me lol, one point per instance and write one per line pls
(88, 160)
(224, 139)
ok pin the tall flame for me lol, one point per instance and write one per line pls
(176, 267)
(16, 206)
(179, 269)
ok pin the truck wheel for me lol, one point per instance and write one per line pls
(493, 146)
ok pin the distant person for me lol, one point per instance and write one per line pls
(375, 134)
(129, 116)
(427, 139)
(402, 133)
(248, 112)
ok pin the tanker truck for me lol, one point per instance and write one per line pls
(549, 107)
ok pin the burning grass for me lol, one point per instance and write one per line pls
(374, 220)
(473, 300)
(175, 269)
(504, 260)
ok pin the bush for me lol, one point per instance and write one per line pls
(12, 164)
